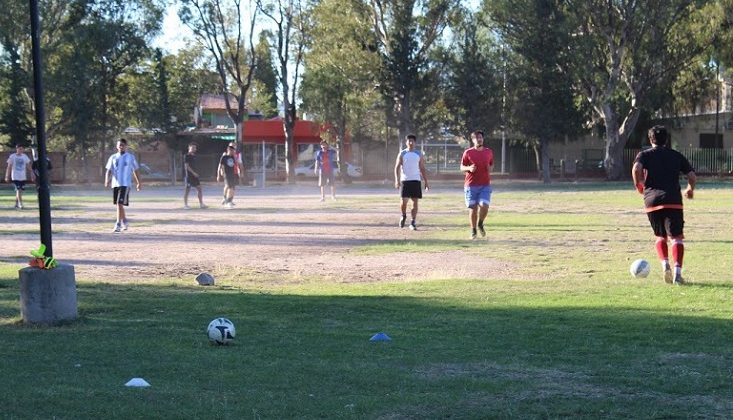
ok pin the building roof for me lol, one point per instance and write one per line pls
(210, 101)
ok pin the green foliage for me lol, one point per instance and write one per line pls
(265, 77)
(474, 78)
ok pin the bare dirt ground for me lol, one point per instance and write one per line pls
(276, 234)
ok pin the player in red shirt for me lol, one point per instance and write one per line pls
(477, 162)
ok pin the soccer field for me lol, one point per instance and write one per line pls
(540, 319)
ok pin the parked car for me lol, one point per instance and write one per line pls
(148, 174)
(307, 169)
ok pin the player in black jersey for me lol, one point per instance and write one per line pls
(656, 174)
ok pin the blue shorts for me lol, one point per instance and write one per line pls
(480, 195)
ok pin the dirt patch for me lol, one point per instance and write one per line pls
(275, 235)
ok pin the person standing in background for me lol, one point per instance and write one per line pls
(409, 171)
(191, 176)
(121, 167)
(19, 171)
(325, 168)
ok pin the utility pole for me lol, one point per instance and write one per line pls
(44, 198)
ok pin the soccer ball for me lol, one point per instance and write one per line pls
(640, 268)
(221, 331)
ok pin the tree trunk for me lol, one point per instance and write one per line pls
(545, 155)
(615, 142)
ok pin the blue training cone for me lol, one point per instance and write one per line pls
(380, 337)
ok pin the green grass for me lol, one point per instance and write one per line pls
(567, 334)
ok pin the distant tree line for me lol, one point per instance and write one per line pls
(545, 71)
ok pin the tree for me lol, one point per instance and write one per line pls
(101, 42)
(266, 76)
(341, 68)
(624, 49)
(290, 18)
(473, 74)
(219, 25)
(537, 32)
(405, 31)
(15, 121)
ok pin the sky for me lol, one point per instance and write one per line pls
(174, 33)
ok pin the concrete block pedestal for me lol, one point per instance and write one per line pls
(48, 297)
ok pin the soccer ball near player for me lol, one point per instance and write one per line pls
(640, 268)
(221, 331)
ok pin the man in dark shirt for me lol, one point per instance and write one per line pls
(226, 170)
(191, 176)
(656, 175)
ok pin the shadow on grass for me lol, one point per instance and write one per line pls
(310, 356)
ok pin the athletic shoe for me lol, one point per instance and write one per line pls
(125, 225)
(117, 228)
(668, 275)
(481, 230)
(473, 234)
(402, 221)
(223, 202)
(678, 280)
(186, 207)
(413, 226)
(229, 205)
(204, 206)
(322, 199)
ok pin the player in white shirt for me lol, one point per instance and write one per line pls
(121, 167)
(409, 170)
(19, 171)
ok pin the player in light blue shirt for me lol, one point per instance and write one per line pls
(121, 167)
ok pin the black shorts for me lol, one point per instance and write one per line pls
(192, 181)
(667, 222)
(231, 181)
(121, 195)
(411, 189)
(19, 185)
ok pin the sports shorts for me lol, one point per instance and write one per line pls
(121, 195)
(231, 181)
(480, 195)
(19, 185)
(325, 178)
(667, 222)
(411, 189)
(192, 181)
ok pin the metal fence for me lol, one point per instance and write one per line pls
(704, 161)
(446, 159)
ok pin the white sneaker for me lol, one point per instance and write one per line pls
(125, 225)
(204, 206)
(117, 228)
(186, 207)
(229, 205)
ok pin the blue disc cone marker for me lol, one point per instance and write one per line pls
(380, 337)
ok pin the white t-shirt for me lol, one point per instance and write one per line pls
(410, 165)
(121, 167)
(20, 169)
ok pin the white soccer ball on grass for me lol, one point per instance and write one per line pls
(640, 268)
(221, 331)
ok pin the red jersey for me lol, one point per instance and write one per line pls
(482, 159)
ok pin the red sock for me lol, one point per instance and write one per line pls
(662, 250)
(678, 252)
